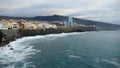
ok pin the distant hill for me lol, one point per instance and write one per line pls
(99, 25)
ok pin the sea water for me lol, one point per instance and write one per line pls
(100, 49)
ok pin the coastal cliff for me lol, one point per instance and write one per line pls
(7, 36)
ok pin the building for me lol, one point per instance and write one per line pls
(47, 25)
(37, 24)
(15, 25)
(33, 26)
(3, 24)
(41, 26)
(65, 23)
(3, 27)
(70, 21)
(54, 26)
(12, 24)
(21, 24)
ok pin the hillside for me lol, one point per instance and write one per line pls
(99, 25)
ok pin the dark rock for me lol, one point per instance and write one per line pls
(0, 37)
(11, 48)
(8, 45)
(7, 36)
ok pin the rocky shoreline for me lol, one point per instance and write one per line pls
(6, 36)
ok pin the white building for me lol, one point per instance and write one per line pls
(3, 26)
(30, 26)
(45, 25)
(50, 26)
(33, 26)
(15, 25)
(54, 26)
(41, 26)
(70, 21)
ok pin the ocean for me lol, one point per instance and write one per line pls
(97, 49)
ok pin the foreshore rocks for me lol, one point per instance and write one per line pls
(6, 36)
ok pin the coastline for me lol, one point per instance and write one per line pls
(8, 36)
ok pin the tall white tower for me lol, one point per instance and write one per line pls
(70, 21)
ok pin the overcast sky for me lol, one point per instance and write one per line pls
(99, 10)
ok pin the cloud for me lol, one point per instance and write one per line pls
(105, 10)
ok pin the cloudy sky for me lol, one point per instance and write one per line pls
(98, 10)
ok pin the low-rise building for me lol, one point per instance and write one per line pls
(21, 24)
(12, 24)
(3, 27)
(15, 25)
(41, 26)
(3, 24)
(47, 25)
(54, 26)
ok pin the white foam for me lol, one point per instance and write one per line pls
(19, 55)
(112, 62)
(51, 35)
(22, 51)
(97, 60)
(29, 64)
(74, 56)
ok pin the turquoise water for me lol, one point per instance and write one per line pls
(67, 50)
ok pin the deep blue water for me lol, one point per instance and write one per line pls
(67, 50)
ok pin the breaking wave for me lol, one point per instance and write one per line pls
(17, 53)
